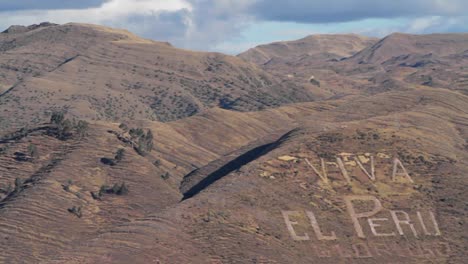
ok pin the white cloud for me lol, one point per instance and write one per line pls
(109, 12)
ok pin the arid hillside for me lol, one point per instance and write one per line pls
(100, 73)
(331, 46)
(367, 65)
(371, 168)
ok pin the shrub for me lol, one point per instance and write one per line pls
(4, 150)
(82, 128)
(96, 196)
(19, 185)
(76, 211)
(157, 163)
(64, 129)
(66, 186)
(124, 127)
(166, 175)
(32, 151)
(136, 132)
(108, 161)
(57, 117)
(118, 189)
(120, 154)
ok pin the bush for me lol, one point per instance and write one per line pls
(19, 185)
(118, 189)
(66, 186)
(124, 127)
(120, 154)
(108, 161)
(57, 117)
(166, 176)
(64, 129)
(32, 151)
(76, 211)
(82, 128)
(157, 163)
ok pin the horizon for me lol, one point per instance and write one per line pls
(235, 26)
(248, 47)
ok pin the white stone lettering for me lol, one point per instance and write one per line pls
(317, 230)
(290, 225)
(399, 222)
(355, 216)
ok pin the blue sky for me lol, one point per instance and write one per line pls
(232, 26)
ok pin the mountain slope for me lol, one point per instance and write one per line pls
(106, 74)
(374, 173)
(336, 46)
(398, 44)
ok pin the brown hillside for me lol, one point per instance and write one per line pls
(99, 73)
(337, 46)
(278, 185)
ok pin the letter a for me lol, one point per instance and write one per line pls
(397, 163)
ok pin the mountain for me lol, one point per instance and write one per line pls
(373, 170)
(394, 62)
(338, 46)
(399, 44)
(100, 73)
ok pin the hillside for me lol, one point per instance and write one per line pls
(333, 46)
(100, 73)
(397, 61)
(371, 168)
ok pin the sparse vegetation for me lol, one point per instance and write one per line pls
(76, 210)
(6, 189)
(144, 140)
(166, 176)
(57, 117)
(19, 185)
(119, 155)
(66, 186)
(157, 163)
(108, 161)
(82, 128)
(32, 151)
(331, 137)
(65, 127)
(124, 127)
(117, 189)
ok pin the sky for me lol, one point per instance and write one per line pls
(233, 26)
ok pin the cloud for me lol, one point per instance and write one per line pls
(326, 11)
(220, 24)
(158, 19)
(11, 5)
